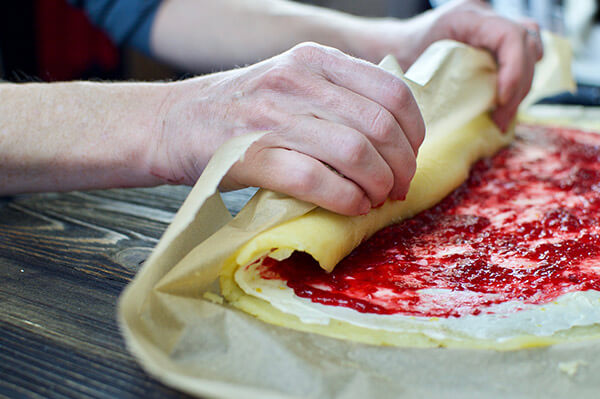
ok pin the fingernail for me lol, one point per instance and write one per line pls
(398, 197)
(379, 205)
(365, 206)
(503, 97)
(503, 127)
(499, 121)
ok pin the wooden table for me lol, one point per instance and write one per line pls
(64, 260)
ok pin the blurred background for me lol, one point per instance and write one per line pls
(51, 40)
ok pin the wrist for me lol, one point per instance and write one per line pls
(157, 160)
(374, 38)
(148, 114)
(371, 39)
(180, 147)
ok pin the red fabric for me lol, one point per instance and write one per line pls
(68, 44)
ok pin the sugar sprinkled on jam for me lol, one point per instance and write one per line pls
(524, 227)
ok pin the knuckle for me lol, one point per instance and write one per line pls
(420, 130)
(352, 201)
(411, 168)
(404, 176)
(382, 126)
(307, 52)
(319, 58)
(304, 180)
(355, 149)
(399, 96)
(519, 32)
(280, 77)
(384, 183)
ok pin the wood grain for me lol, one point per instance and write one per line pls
(64, 259)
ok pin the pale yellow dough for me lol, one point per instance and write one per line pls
(343, 330)
(455, 140)
(456, 137)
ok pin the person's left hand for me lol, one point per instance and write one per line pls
(516, 46)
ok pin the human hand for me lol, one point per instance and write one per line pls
(516, 46)
(344, 133)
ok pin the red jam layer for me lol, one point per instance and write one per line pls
(524, 227)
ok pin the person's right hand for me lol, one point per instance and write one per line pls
(344, 133)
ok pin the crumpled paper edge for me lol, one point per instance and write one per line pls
(202, 214)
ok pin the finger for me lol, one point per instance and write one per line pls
(513, 64)
(338, 104)
(534, 38)
(517, 60)
(504, 114)
(302, 177)
(513, 49)
(372, 82)
(346, 150)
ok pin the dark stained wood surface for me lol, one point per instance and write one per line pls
(64, 259)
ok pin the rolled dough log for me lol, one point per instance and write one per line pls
(455, 88)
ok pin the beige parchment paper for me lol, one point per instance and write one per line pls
(210, 350)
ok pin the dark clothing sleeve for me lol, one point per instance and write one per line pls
(126, 21)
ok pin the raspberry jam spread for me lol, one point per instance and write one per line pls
(524, 227)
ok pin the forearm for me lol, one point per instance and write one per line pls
(199, 35)
(66, 136)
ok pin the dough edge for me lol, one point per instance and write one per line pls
(443, 164)
(264, 311)
(480, 139)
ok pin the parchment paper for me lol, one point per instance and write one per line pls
(211, 350)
